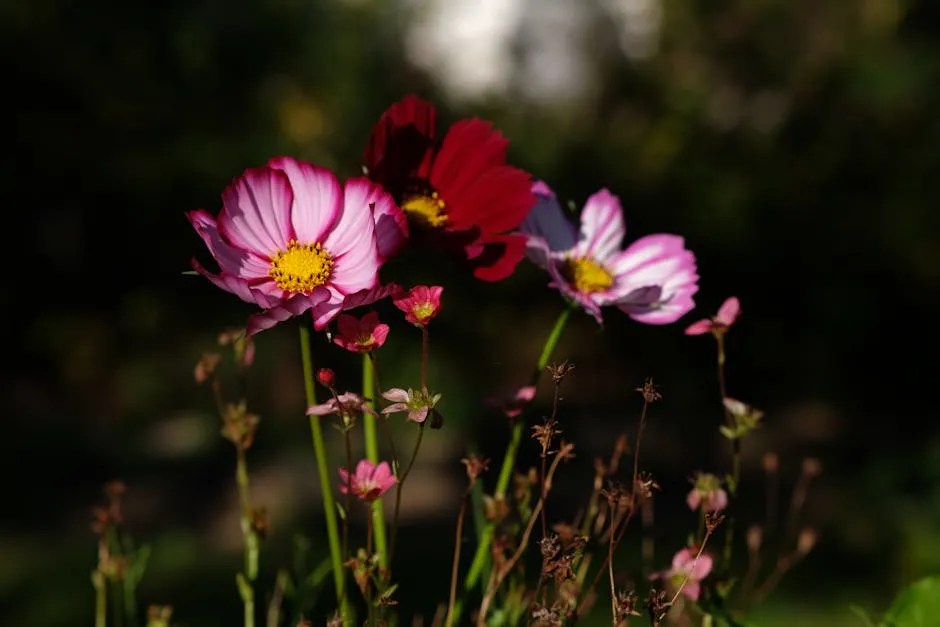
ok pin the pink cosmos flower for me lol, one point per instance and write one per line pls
(420, 304)
(417, 403)
(685, 568)
(369, 482)
(708, 494)
(727, 314)
(349, 403)
(652, 280)
(291, 239)
(360, 335)
(513, 406)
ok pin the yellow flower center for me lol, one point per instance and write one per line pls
(301, 268)
(425, 209)
(587, 275)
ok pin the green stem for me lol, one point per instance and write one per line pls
(101, 598)
(250, 538)
(319, 450)
(372, 453)
(480, 558)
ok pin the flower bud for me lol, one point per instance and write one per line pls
(326, 377)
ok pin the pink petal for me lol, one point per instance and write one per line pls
(702, 567)
(526, 393)
(729, 311)
(537, 251)
(396, 395)
(369, 296)
(238, 286)
(395, 407)
(692, 590)
(541, 187)
(318, 199)
(699, 327)
(288, 308)
(256, 211)
(322, 409)
(347, 326)
(643, 251)
(231, 260)
(693, 500)
(380, 333)
(602, 226)
(352, 241)
(364, 470)
(391, 223)
(681, 559)
(344, 481)
(327, 310)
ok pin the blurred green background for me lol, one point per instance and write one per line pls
(793, 143)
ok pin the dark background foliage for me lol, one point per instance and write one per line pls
(793, 144)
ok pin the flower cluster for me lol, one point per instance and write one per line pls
(291, 238)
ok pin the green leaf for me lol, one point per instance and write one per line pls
(189, 273)
(918, 605)
(341, 510)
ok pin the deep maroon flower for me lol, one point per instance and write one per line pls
(458, 193)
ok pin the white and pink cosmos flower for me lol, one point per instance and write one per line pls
(653, 280)
(290, 239)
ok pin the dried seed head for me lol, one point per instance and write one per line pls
(649, 392)
(560, 371)
(476, 466)
(712, 521)
(206, 366)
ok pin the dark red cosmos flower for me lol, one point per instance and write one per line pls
(458, 193)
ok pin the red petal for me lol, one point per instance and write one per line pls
(470, 148)
(499, 256)
(401, 142)
(498, 201)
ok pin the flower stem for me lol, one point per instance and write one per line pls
(372, 453)
(401, 483)
(479, 563)
(101, 598)
(319, 450)
(249, 535)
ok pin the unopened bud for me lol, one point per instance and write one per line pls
(755, 536)
(811, 467)
(326, 377)
(806, 541)
(770, 462)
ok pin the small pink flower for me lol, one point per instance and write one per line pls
(360, 335)
(652, 280)
(708, 494)
(420, 304)
(727, 314)
(513, 406)
(417, 403)
(349, 403)
(685, 568)
(369, 482)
